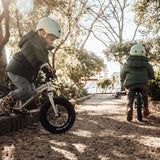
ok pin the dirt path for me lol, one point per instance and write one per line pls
(99, 133)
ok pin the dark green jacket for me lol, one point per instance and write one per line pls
(136, 70)
(28, 60)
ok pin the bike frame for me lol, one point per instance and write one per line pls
(47, 86)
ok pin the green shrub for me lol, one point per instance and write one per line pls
(68, 91)
(154, 87)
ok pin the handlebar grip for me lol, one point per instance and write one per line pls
(45, 70)
(49, 74)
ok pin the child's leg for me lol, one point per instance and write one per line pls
(145, 100)
(145, 95)
(131, 95)
(23, 92)
(24, 87)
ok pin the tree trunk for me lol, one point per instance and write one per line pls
(4, 38)
(3, 64)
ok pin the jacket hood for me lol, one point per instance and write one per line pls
(137, 61)
(25, 38)
(35, 37)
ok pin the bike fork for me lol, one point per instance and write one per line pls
(50, 96)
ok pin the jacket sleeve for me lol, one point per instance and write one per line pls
(150, 72)
(123, 73)
(31, 53)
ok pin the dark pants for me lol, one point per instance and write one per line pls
(131, 94)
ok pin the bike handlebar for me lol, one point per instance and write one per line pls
(49, 74)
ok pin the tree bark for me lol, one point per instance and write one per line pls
(3, 64)
(4, 34)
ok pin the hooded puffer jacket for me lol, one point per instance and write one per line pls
(28, 60)
(136, 70)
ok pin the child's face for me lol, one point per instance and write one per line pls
(50, 39)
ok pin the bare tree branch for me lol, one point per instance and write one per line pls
(98, 15)
(1, 16)
(81, 10)
(62, 42)
(5, 4)
(135, 32)
(18, 25)
(100, 39)
(111, 31)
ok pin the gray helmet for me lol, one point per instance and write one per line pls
(138, 50)
(50, 26)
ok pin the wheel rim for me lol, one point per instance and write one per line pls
(59, 121)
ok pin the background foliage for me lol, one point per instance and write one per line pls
(154, 87)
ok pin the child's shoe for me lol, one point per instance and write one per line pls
(145, 111)
(129, 115)
(5, 104)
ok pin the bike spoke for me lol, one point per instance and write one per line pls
(61, 119)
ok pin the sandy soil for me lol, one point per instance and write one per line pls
(100, 132)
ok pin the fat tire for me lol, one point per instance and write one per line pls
(57, 129)
(3, 90)
(139, 108)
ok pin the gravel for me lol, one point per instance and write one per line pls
(100, 132)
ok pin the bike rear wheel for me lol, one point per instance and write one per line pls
(59, 124)
(139, 107)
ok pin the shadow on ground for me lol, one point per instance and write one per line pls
(100, 132)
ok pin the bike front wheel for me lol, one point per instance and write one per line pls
(65, 119)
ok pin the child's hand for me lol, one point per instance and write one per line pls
(48, 67)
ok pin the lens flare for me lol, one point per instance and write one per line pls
(25, 7)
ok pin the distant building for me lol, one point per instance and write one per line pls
(91, 85)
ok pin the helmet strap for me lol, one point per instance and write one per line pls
(45, 36)
(40, 34)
